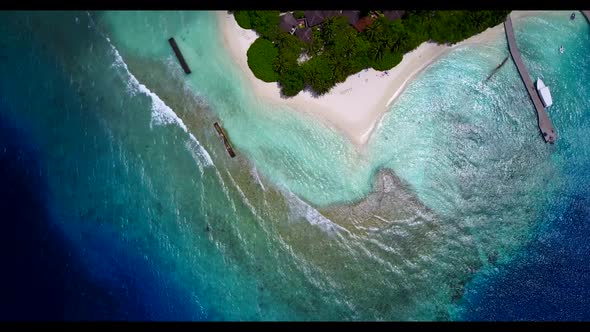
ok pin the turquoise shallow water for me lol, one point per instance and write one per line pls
(156, 216)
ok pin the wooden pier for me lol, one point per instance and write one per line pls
(228, 146)
(542, 118)
(587, 14)
(179, 55)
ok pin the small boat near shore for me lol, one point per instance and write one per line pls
(544, 93)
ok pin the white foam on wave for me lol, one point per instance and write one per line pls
(202, 152)
(162, 114)
(244, 198)
(300, 209)
(257, 178)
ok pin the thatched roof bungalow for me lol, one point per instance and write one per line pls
(288, 23)
(304, 34)
(316, 17)
(353, 16)
(393, 14)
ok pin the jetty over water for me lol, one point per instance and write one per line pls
(587, 14)
(542, 118)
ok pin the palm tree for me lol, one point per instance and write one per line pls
(279, 63)
(372, 31)
(403, 38)
(328, 32)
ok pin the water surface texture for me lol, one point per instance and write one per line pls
(120, 201)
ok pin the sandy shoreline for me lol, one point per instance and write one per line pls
(356, 105)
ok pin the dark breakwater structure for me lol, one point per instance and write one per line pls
(179, 55)
(543, 119)
(496, 69)
(228, 146)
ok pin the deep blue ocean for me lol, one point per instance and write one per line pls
(99, 221)
(46, 275)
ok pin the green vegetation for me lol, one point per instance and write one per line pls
(243, 19)
(265, 22)
(286, 66)
(455, 26)
(337, 50)
(261, 56)
(292, 81)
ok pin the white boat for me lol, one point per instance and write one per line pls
(544, 93)
(561, 49)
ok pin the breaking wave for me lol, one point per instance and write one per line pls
(162, 114)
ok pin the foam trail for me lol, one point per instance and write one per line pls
(201, 150)
(194, 151)
(244, 198)
(299, 209)
(162, 114)
(257, 178)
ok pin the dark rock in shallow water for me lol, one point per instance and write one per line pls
(493, 257)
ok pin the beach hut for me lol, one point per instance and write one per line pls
(393, 14)
(304, 35)
(317, 17)
(288, 23)
(353, 16)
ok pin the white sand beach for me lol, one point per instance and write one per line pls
(356, 105)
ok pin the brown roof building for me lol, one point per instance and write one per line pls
(363, 23)
(317, 17)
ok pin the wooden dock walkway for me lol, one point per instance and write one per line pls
(542, 118)
(179, 56)
(587, 14)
